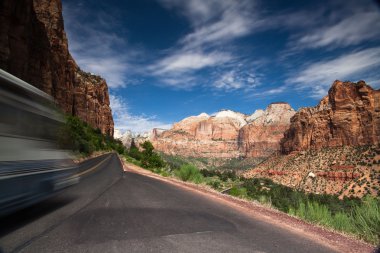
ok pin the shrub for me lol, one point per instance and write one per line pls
(134, 152)
(215, 183)
(148, 158)
(238, 192)
(78, 136)
(189, 172)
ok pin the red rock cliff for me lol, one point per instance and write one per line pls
(34, 47)
(261, 137)
(228, 134)
(202, 136)
(348, 115)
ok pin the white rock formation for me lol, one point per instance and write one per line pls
(240, 117)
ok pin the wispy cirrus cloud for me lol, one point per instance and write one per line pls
(189, 61)
(124, 120)
(318, 76)
(222, 22)
(336, 24)
(236, 79)
(214, 24)
(95, 45)
(351, 30)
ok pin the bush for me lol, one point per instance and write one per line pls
(214, 183)
(78, 136)
(189, 172)
(240, 192)
(134, 152)
(224, 175)
(147, 157)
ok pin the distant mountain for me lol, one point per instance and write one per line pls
(127, 137)
(227, 134)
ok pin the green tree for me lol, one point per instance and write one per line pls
(150, 159)
(80, 137)
(134, 151)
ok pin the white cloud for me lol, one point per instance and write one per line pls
(228, 81)
(236, 79)
(274, 91)
(265, 93)
(214, 24)
(232, 80)
(124, 120)
(94, 47)
(318, 76)
(188, 61)
(335, 24)
(351, 30)
(236, 21)
(197, 11)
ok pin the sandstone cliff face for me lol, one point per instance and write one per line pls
(228, 134)
(127, 137)
(348, 115)
(261, 137)
(201, 136)
(34, 47)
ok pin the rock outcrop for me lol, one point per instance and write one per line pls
(348, 116)
(333, 148)
(261, 136)
(127, 137)
(228, 134)
(34, 47)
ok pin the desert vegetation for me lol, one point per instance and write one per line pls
(347, 171)
(82, 139)
(238, 164)
(351, 215)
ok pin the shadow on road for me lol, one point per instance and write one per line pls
(137, 223)
(18, 219)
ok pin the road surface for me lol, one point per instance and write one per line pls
(116, 211)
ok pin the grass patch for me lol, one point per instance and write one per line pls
(239, 192)
(350, 215)
(189, 172)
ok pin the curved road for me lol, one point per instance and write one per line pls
(116, 211)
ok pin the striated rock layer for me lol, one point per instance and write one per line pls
(261, 137)
(228, 134)
(348, 115)
(34, 47)
(333, 148)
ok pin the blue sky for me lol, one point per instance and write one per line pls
(165, 60)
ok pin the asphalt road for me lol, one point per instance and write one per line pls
(116, 211)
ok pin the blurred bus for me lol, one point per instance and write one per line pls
(32, 167)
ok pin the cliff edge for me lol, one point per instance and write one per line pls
(34, 47)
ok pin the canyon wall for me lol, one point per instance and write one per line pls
(332, 148)
(261, 137)
(228, 134)
(34, 47)
(348, 116)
